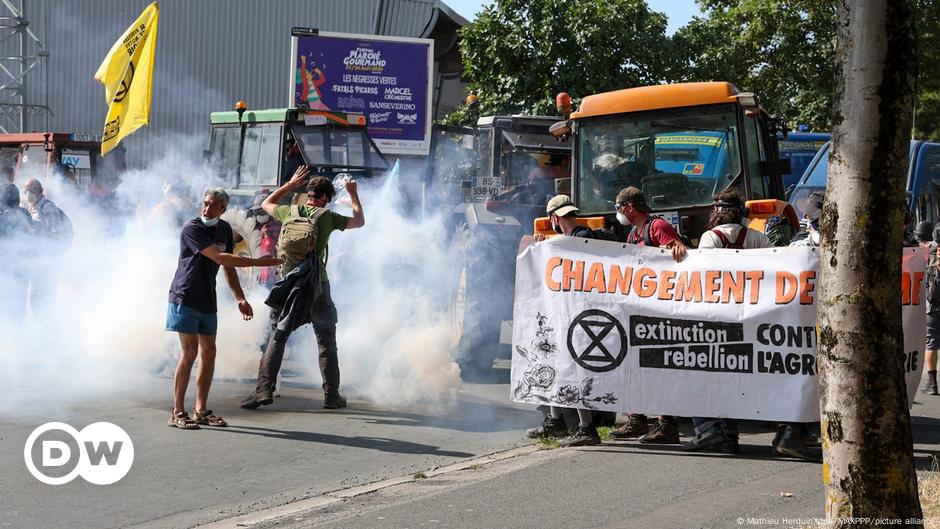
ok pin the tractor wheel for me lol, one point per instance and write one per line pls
(247, 242)
(473, 311)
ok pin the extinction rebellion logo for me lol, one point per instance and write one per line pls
(597, 341)
(101, 453)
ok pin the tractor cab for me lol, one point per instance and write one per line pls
(506, 165)
(680, 144)
(252, 150)
(75, 157)
(255, 149)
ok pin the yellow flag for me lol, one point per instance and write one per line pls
(127, 76)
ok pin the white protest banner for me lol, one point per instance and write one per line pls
(724, 333)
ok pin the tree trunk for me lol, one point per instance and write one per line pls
(869, 465)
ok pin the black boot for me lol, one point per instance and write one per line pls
(930, 387)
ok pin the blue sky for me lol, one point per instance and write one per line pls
(678, 11)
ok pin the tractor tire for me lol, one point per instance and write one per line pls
(249, 245)
(474, 302)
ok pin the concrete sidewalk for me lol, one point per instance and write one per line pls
(615, 485)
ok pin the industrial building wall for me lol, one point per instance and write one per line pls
(210, 53)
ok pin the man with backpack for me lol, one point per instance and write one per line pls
(648, 230)
(53, 234)
(728, 231)
(303, 293)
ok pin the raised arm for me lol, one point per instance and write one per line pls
(358, 219)
(296, 181)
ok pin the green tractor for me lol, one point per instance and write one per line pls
(251, 150)
(494, 180)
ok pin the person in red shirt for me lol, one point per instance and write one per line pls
(632, 209)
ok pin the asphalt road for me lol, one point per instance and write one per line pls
(308, 462)
(267, 457)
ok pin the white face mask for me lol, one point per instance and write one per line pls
(31, 197)
(622, 219)
(210, 222)
(262, 219)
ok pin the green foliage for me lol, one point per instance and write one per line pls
(927, 106)
(518, 54)
(782, 50)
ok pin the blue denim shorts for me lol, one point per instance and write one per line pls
(180, 318)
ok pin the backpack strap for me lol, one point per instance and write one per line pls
(721, 236)
(313, 219)
(738, 243)
(647, 239)
(317, 214)
(294, 211)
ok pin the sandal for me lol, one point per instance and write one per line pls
(182, 421)
(206, 418)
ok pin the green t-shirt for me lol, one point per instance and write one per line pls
(325, 226)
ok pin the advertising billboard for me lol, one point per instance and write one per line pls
(388, 79)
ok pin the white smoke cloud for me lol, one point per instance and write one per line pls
(104, 336)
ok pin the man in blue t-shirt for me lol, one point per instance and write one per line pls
(206, 243)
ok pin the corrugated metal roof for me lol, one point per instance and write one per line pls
(210, 53)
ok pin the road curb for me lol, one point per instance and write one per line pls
(339, 495)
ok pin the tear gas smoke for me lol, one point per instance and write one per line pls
(390, 280)
(101, 332)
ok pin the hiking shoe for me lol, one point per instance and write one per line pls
(635, 427)
(254, 402)
(584, 436)
(709, 440)
(550, 427)
(930, 387)
(335, 402)
(663, 433)
(790, 447)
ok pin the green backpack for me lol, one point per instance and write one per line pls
(297, 239)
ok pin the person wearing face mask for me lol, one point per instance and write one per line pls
(51, 221)
(648, 230)
(303, 296)
(727, 230)
(562, 214)
(53, 235)
(206, 243)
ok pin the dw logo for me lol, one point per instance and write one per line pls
(55, 453)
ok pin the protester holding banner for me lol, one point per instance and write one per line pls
(727, 231)
(648, 230)
(562, 214)
(933, 326)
